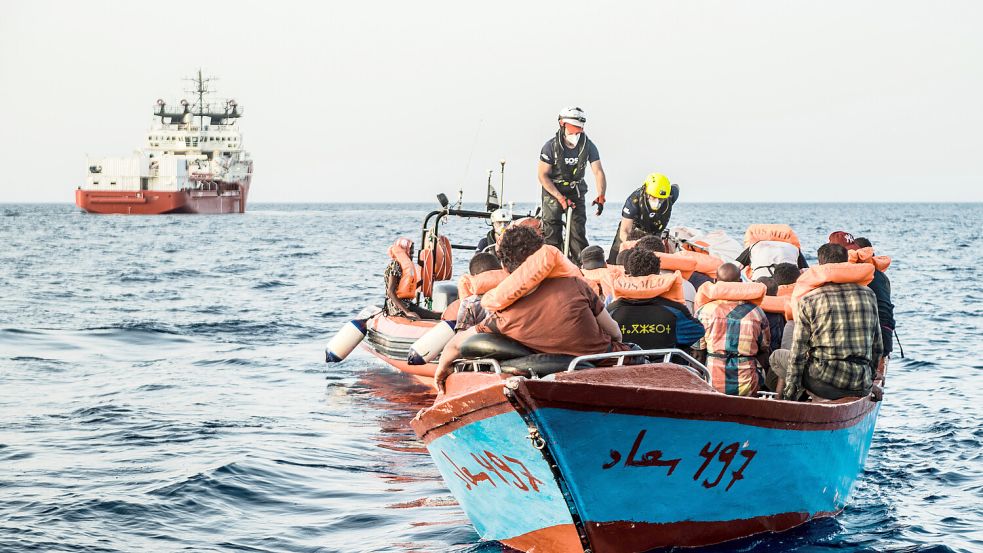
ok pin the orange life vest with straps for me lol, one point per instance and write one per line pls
(677, 262)
(752, 292)
(547, 262)
(400, 251)
(777, 233)
(829, 273)
(779, 303)
(602, 277)
(669, 286)
(866, 255)
(705, 263)
(480, 283)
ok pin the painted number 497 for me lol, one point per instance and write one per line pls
(726, 457)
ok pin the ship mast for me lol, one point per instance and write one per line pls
(201, 88)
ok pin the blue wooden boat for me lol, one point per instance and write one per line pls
(631, 458)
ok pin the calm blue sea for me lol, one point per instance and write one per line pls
(162, 385)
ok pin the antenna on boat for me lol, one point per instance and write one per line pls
(200, 90)
(501, 193)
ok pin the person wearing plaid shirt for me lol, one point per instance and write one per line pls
(836, 344)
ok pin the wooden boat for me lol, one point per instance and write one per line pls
(631, 458)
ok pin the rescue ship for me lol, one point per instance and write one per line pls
(193, 161)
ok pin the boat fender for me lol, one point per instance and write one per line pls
(541, 364)
(493, 346)
(427, 347)
(866, 255)
(345, 341)
(752, 292)
(547, 262)
(828, 273)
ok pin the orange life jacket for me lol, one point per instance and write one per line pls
(627, 245)
(775, 304)
(705, 263)
(602, 277)
(677, 262)
(828, 273)
(547, 262)
(450, 314)
(400, 251)
(752, 292)
(866, 255)
(778, 233)
(437, 266)
(669, 286)
(480, 283)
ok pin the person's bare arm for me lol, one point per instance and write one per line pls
(448, 355)
(625, 229)
(609, 325)
(391, 286)
(547, 183)
(599, 178)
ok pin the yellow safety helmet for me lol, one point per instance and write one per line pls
(657, 185)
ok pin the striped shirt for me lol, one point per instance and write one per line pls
(837, 339)
(735, 333)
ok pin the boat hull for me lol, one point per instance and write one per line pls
(644, 465)
(227, 199)
(390, 338)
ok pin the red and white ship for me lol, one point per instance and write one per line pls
(193, 162)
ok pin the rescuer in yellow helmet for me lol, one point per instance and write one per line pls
(648, 208)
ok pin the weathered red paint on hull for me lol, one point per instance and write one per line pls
(150, 202)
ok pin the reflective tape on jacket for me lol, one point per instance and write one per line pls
(829, 273)
(778, 233)
(547, 262)
(669, 286)
(866, 255)
(752, 292)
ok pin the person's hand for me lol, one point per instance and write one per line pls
(564, 202)
(440, 376)
(599, 202)
(876, 393)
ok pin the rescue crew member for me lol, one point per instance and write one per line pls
(563, 165)
(648, 209)
(500, 219)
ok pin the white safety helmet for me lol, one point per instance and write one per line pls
(574, 116)
(501, 216)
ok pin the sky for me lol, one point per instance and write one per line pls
(764, 101)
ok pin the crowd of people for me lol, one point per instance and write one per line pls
(766, 322)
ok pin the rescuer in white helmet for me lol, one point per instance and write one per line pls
(500, 218)
(563, 164)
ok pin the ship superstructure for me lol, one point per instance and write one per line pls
(193, 161)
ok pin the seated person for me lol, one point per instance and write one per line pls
(402, 280)
(558, 315)
(470, 312)
(786, 274)
(500, 219)
(594, 267)
(655, 322)
(776, 321)
(656, 245)
(836, 346)
(737, 336)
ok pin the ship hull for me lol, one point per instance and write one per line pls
(226, 199)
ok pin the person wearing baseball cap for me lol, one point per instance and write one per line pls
(563, 163)
(844, 239)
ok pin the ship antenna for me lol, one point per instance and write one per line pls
(201, 88)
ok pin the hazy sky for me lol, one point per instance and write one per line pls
(375, 101)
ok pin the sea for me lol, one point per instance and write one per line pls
(163, 385)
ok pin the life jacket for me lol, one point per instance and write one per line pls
(829, 273)
(480, 283)
(439, 266)
(399, 251)
(547, 262)
(568, 175)
(675, 262)
(450, 314)
(866, 255)
(705, 263)
(602, 277)
(775, 304)
(777, 233)
(751, 292)
(669, 286)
